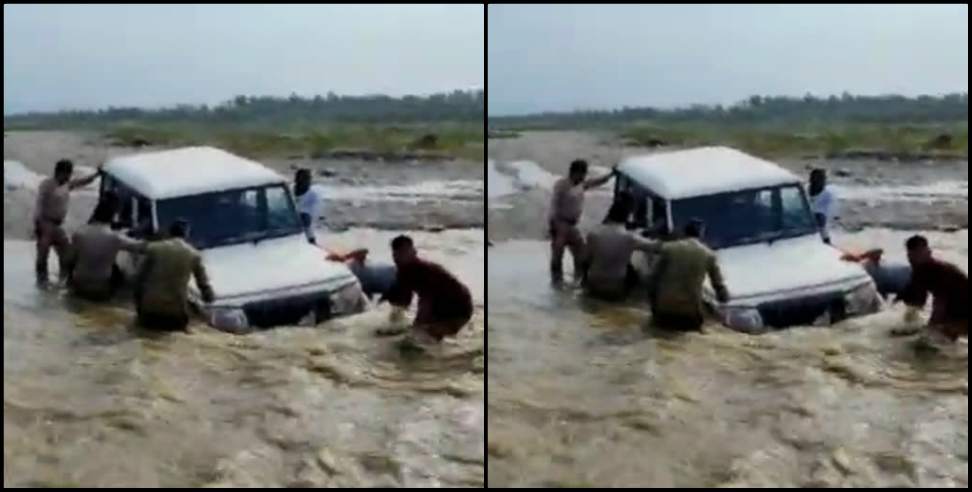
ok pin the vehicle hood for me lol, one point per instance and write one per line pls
(774, 270)
(270, 265)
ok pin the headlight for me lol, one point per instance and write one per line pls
(347, 300)
(745, 319)
(227, 318)
(862, 300)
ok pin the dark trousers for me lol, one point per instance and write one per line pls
(677, 322)
(163, 322)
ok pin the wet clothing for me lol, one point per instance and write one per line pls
(566, 207)
(824, 204)
(677, 322)
(51, 235)
(94, 248)
(567, 203)
(163, 281)
(565, 236)
(53, 199)
(49, 214)
(50, 211)
(949, 287)
(445, 304)
(608, 263)
(680, 277)
(161, 322)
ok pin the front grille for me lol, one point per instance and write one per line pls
(803, 311)
(287, 311)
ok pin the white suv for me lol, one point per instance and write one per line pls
(263, 270)
(778, 269)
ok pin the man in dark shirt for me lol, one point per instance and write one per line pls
(444, 305)
(948, 285)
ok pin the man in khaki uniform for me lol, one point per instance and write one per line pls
(53, 198)
(566, 207)
(609, 273)
(162, 287)
(94, 247)
(677, 298)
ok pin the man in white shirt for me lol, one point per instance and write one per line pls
(822, 202)
(308, 201)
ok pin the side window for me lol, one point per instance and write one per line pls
(795, 213)
(280, 212)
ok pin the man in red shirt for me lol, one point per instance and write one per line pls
(444, 305)
(948, 285)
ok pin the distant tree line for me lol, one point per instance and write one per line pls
(286, 112)
(846, 108)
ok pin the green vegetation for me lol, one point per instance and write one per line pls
(892, 126)
(441, 125)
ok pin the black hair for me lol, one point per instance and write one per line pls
(694, 228)
(179, 228)
(578, 166)
(401, 242)
(818, 172)
(916, 242)
(302, 171)
(64, 166)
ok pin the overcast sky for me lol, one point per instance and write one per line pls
(78, 56)
(564, 57)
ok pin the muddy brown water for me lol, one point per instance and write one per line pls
(89, 400)
(581, 393)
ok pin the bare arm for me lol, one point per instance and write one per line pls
(81, 182)
(202, 280)
(646, 245)
(595, 182)
(131, 245)
(718, 282)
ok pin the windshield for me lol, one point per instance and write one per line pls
(235, 216)
(745, 217)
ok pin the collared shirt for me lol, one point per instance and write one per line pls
(824, 203)
(53, 199)
(567, 202)
(164, 279)
(680, 278)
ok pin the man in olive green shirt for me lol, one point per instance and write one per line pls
(679, 279)
(163, 281)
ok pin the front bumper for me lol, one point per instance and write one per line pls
(306, 307)
(819, 308)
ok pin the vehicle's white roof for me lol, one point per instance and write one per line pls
(703, 171)
(188, 171)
